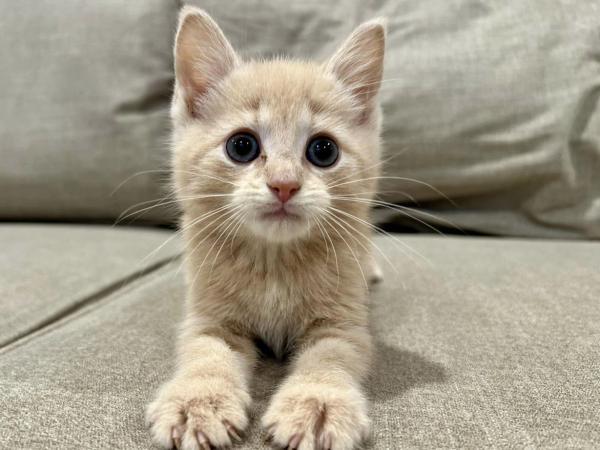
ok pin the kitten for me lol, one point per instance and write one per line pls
(270, 160)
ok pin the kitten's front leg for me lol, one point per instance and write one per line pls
(322, 405)
(205, 402)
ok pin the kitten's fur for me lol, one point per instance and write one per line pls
(295, 284)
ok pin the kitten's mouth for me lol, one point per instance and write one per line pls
(280, 213)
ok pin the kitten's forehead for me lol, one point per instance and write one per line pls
(288, 90)
(285, 102)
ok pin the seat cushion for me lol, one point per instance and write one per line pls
(48, 271)
(480, 343)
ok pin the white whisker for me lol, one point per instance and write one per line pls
(168, 172)
(223, 227)
(356, 230)
(229, 210)
(404, 210)
(337, 267)
(177, 200)
(179, 232)
(436, 190)
(397, 241)
(238, 218)
(351, 251)
(379, 163)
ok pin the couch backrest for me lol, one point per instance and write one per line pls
(84, 97)
(493, 103)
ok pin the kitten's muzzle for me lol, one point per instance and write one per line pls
(280, 211)
(284, 189)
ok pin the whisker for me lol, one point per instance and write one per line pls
(397, 241)
(214, 230)
(163, 203)
(182, 230)
(137, 174)
(379, 163)
(404, 210)
(324, 239)
(351, 251)
(337, 267)
(229, 210)
(436, 190)
(212, 177)
(169, 172)
(376, 193)
(242, 220)
(158, 202)
(356, 230)
(238, 218)
(223, 227)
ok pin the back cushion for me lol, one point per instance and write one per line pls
(493, 103)
(84, 95)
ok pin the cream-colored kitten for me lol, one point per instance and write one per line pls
(270, 159)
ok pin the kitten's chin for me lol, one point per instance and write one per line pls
(280, 228)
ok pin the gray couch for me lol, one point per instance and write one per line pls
(489, 338)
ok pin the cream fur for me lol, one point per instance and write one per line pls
(299, 285)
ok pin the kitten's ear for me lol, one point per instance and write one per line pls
(358, 63)
(203, 56)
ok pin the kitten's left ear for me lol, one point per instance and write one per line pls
(358, 63)
(203, 57)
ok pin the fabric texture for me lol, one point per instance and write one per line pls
(84, 94)
(481, 343)
(494, 103)
(47, 271)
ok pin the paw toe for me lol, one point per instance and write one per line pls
(234, 433)
(295, 441)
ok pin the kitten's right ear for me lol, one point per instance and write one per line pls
(358, 63)
(203, 57)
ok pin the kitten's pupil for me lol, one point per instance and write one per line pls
(242, 147)
(322, 152)
(323, 149)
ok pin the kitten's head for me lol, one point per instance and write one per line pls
(274, 148)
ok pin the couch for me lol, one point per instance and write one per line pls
(488, 331)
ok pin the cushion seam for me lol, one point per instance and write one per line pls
(117, 288)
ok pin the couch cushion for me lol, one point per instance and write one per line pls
(494, 103)
(84, 95)
(482, 343)
(48, 271)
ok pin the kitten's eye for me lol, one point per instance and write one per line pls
(242, 147)
(322, 152)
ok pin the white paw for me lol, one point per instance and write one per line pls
(317, 417)
(194, 413)
(374, 272)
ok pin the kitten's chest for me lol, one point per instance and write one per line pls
(279, 302)
(274, 295)
(280, 310)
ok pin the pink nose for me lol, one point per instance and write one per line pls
(284, 190)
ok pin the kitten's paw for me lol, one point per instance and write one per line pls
(197, 413)
(374, 273)
(317, 417)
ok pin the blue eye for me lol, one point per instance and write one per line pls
(242, 147)
(322, 152)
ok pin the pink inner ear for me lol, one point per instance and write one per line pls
(203, 57)
(358, 63)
